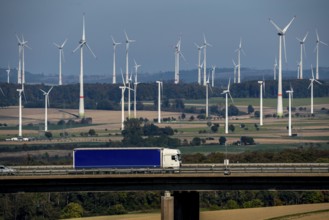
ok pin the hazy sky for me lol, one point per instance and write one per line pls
(156, 26)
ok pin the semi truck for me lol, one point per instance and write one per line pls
(126, 158)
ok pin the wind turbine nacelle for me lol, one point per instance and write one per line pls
(260, 82)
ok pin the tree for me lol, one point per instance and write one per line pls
(231, 128)
(179, 104)
(132, 134)
(196, 141)
(246, 140)
(92, 132)
(72, 210)
(257, 114)
(48, 135)
(250, 109)
(215, 127)
(222, 140)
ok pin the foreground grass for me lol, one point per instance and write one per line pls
(299, 215)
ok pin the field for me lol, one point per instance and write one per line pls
(272, 136)
(304, 212)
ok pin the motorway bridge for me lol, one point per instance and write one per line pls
(185, 183)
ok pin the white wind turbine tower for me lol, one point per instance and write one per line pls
(290, 93)
(317, 54)
(8, 73)
(311, 86)
(135, 87)
(82, 44)
(22, 44)
(262, 87)
(205, 44)
(235, 68)
(199, 62)
(61, 55)
(160, 87)
(281, 33)
(207, 98)
(239, 64)
(128, 41)
(115, 44)
(123, 88)
(227, 91)
(274, 68)
(46, 94)
(20, 91)
(129, 97)
(302, 46)
(212, 76)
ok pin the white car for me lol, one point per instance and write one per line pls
(6, 170)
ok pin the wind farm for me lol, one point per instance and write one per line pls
(184, 84)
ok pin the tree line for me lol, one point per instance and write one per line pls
(108, 96)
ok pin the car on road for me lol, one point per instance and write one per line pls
(6, 170)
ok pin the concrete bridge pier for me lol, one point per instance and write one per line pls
(186, 205)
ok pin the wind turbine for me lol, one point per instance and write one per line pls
(281, 33)
(212, 76)
(160, 87)
(178, 53)
(20, 111)
(115, 44)
(22, 44)
(82, 44)
(135, 87)
(311, 86)
(46, 94)
(317, 54)
(262, 87)
(199, 62)
(61, 55)
(239, 64)
(8, 73)
(128, 41)
(274, 68)
(205, 44)
(302, 46)
(235, 68)
(19, 68)
(290, 93)
(227, 91)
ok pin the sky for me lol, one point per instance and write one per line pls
(156, 25)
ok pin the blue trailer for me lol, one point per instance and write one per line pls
(139, 157)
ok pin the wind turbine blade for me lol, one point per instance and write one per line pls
(276, 26)
(288, 25)
(318, 81)
(304, 50)
(284, 47)
(233, 63)
(56, 45)
(64, 43)
(243, 52)
(43, 91)
(24, 96)
(323, 43)
(304, 39)
(317, 35)
(123, 80)
(80, 45)
(312, 72)
(62, 54)
(231, 97)
(2, 92)
(310, 85)
(19, 40)
(90, 50)
(50, 89)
